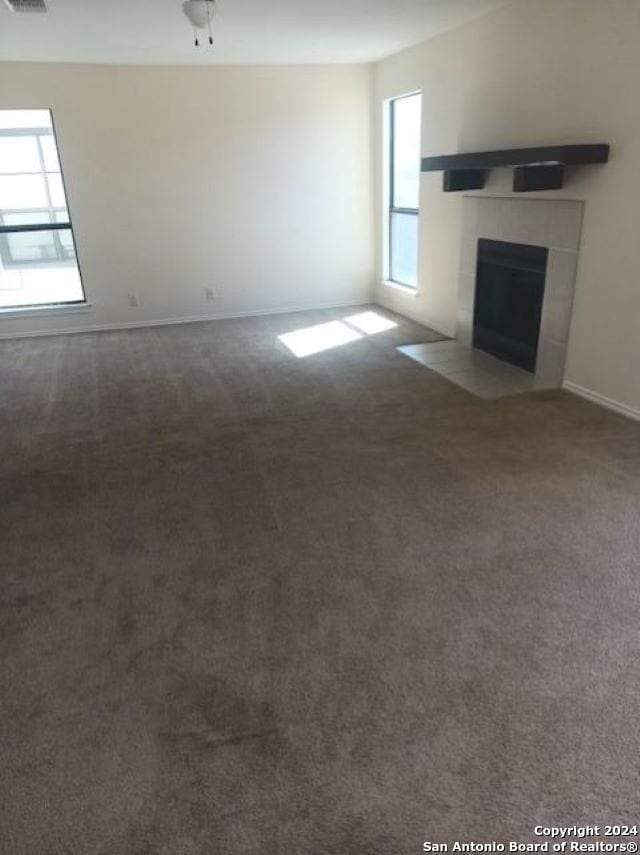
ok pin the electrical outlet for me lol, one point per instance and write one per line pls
(132, 299)
(209, 293)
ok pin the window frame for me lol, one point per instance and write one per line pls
(392, 209)
(62, 256)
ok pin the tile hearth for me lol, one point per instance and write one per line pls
(477, 372)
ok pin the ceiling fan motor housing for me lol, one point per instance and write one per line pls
(199, 12)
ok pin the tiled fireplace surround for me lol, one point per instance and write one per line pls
(552, 223)
(555, 224)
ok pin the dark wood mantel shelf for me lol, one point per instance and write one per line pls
(540, 168)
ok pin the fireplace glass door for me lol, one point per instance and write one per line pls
(508, 303)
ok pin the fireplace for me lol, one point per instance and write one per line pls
(510, 284)
(530, 318)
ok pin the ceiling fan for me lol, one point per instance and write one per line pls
(200, 14)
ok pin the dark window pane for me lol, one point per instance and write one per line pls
(404, 249)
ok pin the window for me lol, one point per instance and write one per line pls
(38, 265)
(404, 188)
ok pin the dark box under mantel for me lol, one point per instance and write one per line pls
(539, 168)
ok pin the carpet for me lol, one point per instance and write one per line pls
(334, 604)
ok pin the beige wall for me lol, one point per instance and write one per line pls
(253, 181)
(538, 72)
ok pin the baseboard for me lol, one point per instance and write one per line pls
(602, 400)
(187, 319)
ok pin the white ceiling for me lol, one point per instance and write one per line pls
(245, 31)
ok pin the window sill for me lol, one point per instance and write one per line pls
(45, 311)
(398, 286)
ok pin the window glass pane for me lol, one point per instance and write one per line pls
(31, 246)
(38, 268)
(18, 192)
(404, 249)
(406, 114)
(25, 119)
(56, 190)
(39, 246)
(19, 154)
(67, 245)
(15, 219)
(49, 153)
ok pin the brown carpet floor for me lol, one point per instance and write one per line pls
(253, 603)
